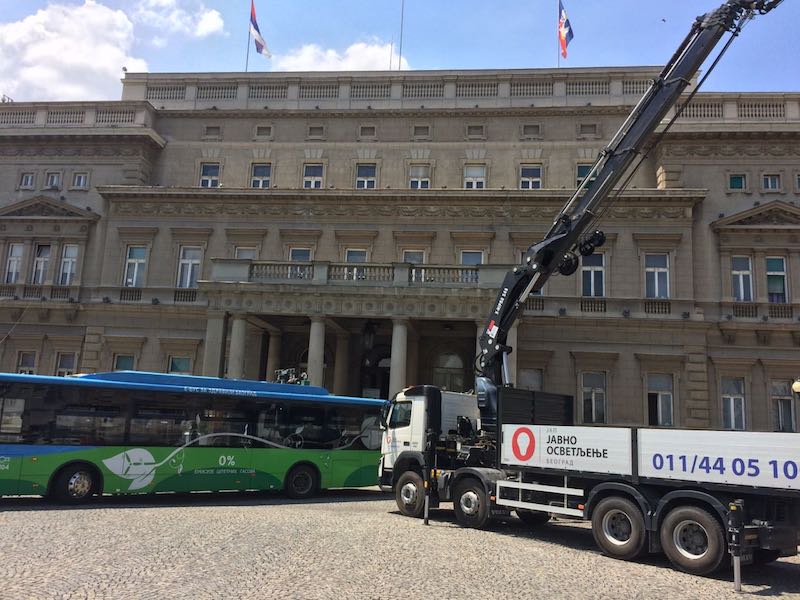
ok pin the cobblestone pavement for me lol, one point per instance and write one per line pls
(346, 545)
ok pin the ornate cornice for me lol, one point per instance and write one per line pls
(767, 145)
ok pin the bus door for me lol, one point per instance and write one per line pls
(11, 410)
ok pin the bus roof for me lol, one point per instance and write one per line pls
(143, 380)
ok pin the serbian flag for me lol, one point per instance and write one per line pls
(261, 45)
(564, 29)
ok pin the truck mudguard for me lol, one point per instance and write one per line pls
(597, 494)
(703, 497)
(485, 475)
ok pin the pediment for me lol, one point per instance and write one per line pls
(774, 215)
(45, 207)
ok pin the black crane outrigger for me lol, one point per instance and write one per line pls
(572, 231)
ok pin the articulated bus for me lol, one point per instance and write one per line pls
(132, 432)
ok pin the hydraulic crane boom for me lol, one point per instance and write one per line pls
(572, 229)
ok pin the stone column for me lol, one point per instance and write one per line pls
(316, 351)
(341, 364)
(55, 263)
(793, 272)
(237, 350)
(412, 363)
(273, 355)
(214, 346)
(397, 373)
(760, 278)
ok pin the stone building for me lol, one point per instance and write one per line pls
(356, 226)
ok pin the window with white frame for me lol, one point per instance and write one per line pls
(26, 362)
(733, 403)
(14, 262)
(260, 175)
(776, 279)
(247, 252)
(741, 279)
(656, 276)
(593, 384)
(302, 255)
(135, 264)
(80, 180)
(65, 363)
(69, 264)
(737, 181)
(189, 263)
(474, 177)
(419, 177)
(530, 177)
(783, 406)
(312, 177)
(415, 258)
(53, 180)
(356, 255)
(26, 181)
(124, 362)
(583, 171)
(593, 275)
(770, 182)
(660, 400)
(180, 365)
(209, 175)
(366, 176)
(41, 263)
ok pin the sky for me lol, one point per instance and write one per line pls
(76, 49)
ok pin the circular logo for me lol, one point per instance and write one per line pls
(515, 447)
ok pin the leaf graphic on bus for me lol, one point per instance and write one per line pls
(136, 464)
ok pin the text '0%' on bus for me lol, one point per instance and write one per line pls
(131, 432)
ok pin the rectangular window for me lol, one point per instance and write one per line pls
(65, 364)
(366, 177)
(474, 177)
(124, 362)
(69, 264)
(733, 403)
(421, 131)
(80, 180)
(659, 400)
(181, 365)
(776, 280)
(11, 411)
(415, 257)
(419, 177)
(401, 415)
(209, 175)
(14, 262)
(737, 181)
(247, 252)
(742, 279)
(189, 266)
(593, 275)
(771, 182)
(783, 406)
(300, 255)
(354, 255)
(53, 180)
(530, 177)
(476, 132)
(366, 131)
(312, 177)
(470, 258)
(531, 130)
(26, 181)
(260, 175)
(41, 263)
(589, 129)
(26, 363)
(316, 131)
(212, 131)
(594, 397)
(656, 276)
(135, 264)
(583, 171)
(264, 131)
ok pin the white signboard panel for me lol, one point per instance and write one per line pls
(589, 449)
(733, 457)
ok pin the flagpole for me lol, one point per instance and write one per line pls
(400, 52)
(247, 60)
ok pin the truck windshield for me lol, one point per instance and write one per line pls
(401, 415)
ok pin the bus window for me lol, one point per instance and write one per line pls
(306, 426)
(162, 426)
(11, 410)
(82, 424)
(225, 423)
(272, 425)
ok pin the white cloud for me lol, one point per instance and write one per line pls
(67, 53)
(357, 57)
(188, 17)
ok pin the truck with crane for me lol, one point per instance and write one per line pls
(693, 494)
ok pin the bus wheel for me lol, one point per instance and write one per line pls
(409, 493)
(618, 528)
(74, 484)
(302, 482)
(471, 504)
(532, 518)
(693, 540)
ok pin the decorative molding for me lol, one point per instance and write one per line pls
(773, 215)
(45, 206)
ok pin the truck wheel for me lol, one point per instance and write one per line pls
(532, 518)
(618, 528)
(693, 540)
(471, 504)
(409, 493)
(75, 484)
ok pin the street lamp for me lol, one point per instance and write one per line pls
(796, 386)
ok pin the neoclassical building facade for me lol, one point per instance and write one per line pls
(356, 226)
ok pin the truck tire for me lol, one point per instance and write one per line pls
(532, 518)
(409, 493)
(618, 528)
(693, 540)
(471, 504)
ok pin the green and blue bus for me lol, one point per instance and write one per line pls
(131, 432)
